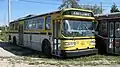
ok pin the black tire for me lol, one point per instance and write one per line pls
(46, 48)
(14, 41)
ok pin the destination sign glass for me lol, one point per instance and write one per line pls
(78, 13)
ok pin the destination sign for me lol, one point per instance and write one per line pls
(78, 13)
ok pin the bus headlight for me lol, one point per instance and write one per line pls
(69, 43)
(92, 43)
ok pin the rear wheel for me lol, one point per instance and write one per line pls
(14, 40)
(46, 48)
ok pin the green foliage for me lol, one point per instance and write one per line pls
(114, 8)
(4, 33)
(69, 4)
(73, 4)
(92, 60)
(96, 9)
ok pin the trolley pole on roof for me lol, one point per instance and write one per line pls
(8, 12)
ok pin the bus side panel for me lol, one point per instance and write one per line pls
(26, 40)
(34, 41)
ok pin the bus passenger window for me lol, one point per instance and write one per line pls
(26, 25)
(34, 24)
(16, 26)
(12, 28)
(40, 23)
(30, 25)
(48, 23)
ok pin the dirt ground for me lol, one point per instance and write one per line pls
(15, 56)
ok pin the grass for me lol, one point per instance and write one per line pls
(94, 60)
(87, 60)
(4, 36)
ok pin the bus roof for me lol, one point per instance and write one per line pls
(77, 9)
(115, 15)
(33, 16)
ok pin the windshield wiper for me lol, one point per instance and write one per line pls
(89, 29)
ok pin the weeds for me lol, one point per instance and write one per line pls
(82, 61)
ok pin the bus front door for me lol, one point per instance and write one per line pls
(56, 31)
(21, 34)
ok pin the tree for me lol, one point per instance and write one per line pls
(73, 4)
(114, 8)
(96, 9)
(69, 4)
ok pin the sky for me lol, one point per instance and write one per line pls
(20, 8)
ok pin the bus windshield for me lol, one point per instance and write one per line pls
(78, 28)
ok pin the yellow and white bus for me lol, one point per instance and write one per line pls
(67, 32)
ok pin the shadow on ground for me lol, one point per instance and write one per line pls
(20, 51)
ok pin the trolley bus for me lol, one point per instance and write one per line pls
(109, 31)
(67, 32)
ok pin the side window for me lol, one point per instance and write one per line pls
(26, 25)
(111, 29)
(103, 27)
(117, 29)
(40, 23)
(12, 27)
(33, 24)
(16, 26)
(48, 23)
(29, 24)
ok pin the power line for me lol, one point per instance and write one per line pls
(31, 1)
(39, 2)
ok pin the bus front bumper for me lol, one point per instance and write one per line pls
(79, 52)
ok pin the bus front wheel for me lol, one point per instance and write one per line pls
(46, 49)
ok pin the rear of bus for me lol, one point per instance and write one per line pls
(77, 37)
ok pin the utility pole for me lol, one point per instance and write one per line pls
(8, 12)
(8, 16)
(101, 7)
